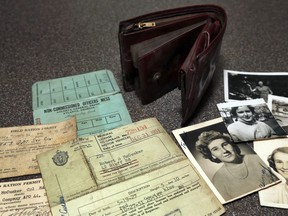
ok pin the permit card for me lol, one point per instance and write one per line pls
(20, 145)
(136, 169)
(25, 197)
(94, 98)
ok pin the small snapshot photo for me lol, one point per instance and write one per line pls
(279, 108)
(249, 120)
(231, 170)
(251, 85)
(275, 154)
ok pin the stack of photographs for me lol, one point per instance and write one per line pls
(234, 152)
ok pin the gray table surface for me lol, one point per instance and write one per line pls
(48, 39)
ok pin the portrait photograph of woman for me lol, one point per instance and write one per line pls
(231, 170)
(249, 120)
(275, 154)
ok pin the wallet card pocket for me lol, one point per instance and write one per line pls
(159, 59)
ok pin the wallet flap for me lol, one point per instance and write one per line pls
(145, 47)
(198, 69)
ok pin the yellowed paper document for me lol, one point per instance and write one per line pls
(114, 164)
(27, 197)
(20, 145)
(174, 190)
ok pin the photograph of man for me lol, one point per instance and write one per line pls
(234, 170)
(250, 120)
(275, 152)
(262, 90)
(241, 85)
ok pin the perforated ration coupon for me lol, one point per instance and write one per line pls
(94, 98)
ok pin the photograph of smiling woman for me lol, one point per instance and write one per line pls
(240, 173)
(246, 125)
(249, 120)
(275, 153)
(232, 170)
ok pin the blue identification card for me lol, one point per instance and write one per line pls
(94, 98)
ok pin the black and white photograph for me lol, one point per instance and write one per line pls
(250, 120)
(275, 154)
(279, 108)
(231, 170)
(251, 85)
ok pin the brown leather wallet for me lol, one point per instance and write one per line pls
(176, 47)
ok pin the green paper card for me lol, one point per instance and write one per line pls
(66, 89)
(94, 98)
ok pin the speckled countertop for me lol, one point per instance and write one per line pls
(48, 39)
